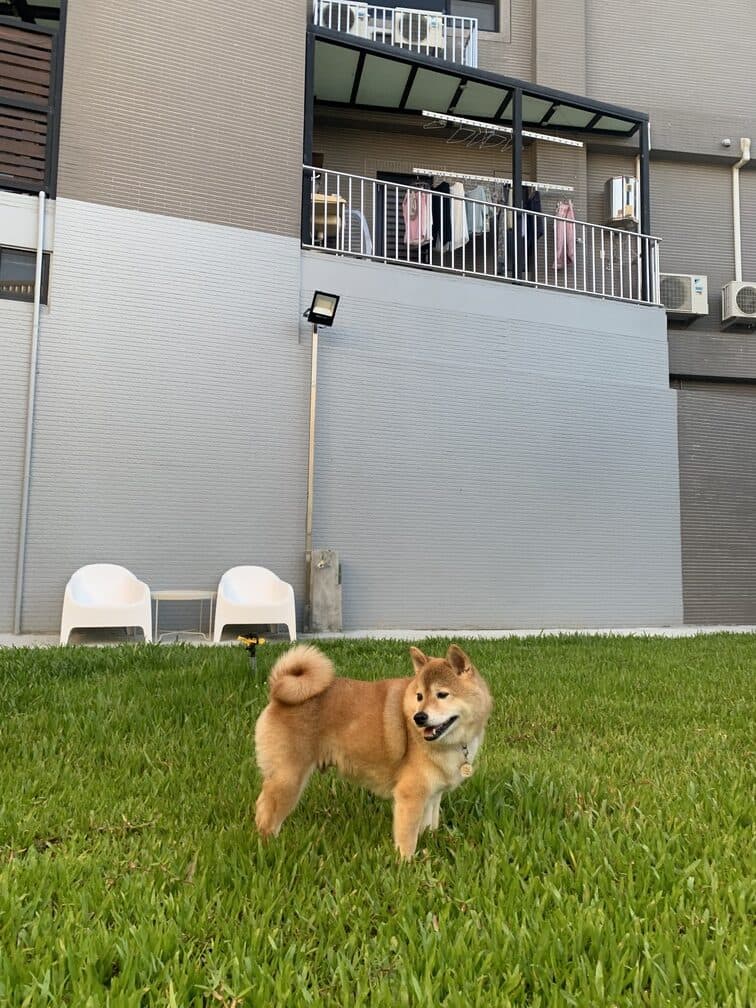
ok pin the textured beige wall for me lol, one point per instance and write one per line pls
(197, 115)
(363, 150)
(689, 65)
(510, 51)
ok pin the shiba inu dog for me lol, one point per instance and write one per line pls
(408, 739)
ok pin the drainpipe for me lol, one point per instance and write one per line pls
(31, 396)
(745, 150)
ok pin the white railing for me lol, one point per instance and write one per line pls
(414, 225)
(429, 33)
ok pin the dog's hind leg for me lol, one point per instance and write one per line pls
(279, 796)
(285, 768)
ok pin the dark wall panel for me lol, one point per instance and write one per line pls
(717, 437)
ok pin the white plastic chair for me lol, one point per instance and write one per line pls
(105, 595)
(254, 595)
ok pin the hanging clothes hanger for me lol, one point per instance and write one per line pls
(497, 128)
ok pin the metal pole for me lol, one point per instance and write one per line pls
(517, 152)
(30, 399)
(308, 179)
(745, 148)
(647, 293)
(310, 478)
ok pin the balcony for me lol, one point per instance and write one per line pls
(428, 33)
(418, 227)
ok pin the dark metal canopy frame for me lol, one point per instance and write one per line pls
(344, 71)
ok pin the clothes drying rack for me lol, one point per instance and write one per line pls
(466, 177)
(497, 128)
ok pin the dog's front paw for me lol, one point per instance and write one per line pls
(406, 853)
(265, 823)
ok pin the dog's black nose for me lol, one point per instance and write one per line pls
(421, 718)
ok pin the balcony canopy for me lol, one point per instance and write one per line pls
(46, 13)
(357, 73)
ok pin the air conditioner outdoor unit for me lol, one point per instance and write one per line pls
(622, 202)
(684, 295)
(352, 18)
(418, 30)
(739, 304)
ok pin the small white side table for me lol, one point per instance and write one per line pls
(185, 595)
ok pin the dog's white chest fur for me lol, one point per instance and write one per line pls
(458, 762)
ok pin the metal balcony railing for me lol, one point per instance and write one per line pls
(415, 226)
(429, 33)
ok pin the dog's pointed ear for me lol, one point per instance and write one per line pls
(458, 660)
(418, 658)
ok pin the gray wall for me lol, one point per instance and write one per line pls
(511, 466)
(692, 215)
(491, 456)
(172, 406)
(718, 486)
(15, 337)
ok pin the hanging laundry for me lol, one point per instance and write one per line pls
(531, 229)
(359, 239)
(460, 235)
(530, 224)
(564, 239)
(503, 196)
(478, 215)
(520, 241)
(417, 212)
(441, 213)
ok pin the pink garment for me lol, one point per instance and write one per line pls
(565, 235)
(418, 218)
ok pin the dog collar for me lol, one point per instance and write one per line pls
(467, 768)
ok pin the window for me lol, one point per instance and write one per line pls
(486, 11)
(17, 269)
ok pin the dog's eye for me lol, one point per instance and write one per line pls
(442, 696)
(419, 697)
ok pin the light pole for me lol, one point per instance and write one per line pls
(321, 312)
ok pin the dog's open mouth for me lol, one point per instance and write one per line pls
(433, 732)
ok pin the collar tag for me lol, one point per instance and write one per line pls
(467, 768)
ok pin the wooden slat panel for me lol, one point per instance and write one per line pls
(21, 119)
(23, 56)
(26, 63)
(13, 86)
(22, 147)
(21, 160)
(18, 132)
(22, 73)
(27, 37)
(21, 172)
(8, 136)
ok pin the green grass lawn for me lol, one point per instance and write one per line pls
(602, 854)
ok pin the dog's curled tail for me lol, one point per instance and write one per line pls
(300, 674)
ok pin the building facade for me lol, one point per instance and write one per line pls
(505, 437)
